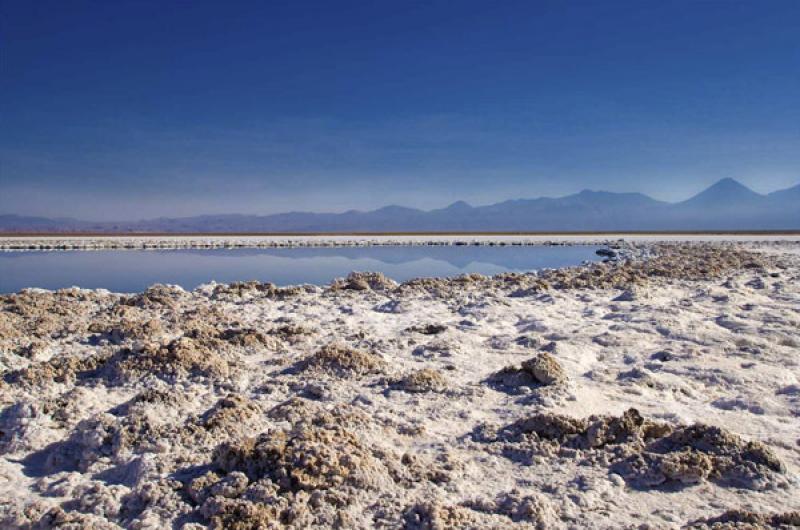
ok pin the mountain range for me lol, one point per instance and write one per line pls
(726, 205)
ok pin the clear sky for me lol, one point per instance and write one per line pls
(124, 110)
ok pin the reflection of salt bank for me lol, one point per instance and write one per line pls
(135, 270)
(255, 405)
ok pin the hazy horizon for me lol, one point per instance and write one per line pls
(441, 206)
(135, 110)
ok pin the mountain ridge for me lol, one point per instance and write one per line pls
(725, 205)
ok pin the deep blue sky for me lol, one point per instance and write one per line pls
(137, 109)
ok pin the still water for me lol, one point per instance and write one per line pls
(135, 270)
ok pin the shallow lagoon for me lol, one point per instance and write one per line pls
(135, 270)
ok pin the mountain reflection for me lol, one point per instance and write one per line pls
(135, 270)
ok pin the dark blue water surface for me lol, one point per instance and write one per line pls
(135, 270)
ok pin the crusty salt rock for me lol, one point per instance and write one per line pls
(201, 322)
(423, 380)
(252, 288)
(416, 468)
(100, 499)
(438, 516)
(687, 467)
(542, 370)
(295, 410)
(240, 514)
(595, 431)
(298, 477)
(230, 413)
(250, 338)
(531, 508)
(168, 296)
(435, 515)
(343, 361)
(63, 369)
(733, 460)
(308, 457)
(230, 418)
(748, 520)
(16, 513)
(674, 261)
(157, 502)
(653, 452)
(106, 437)
(127, 323)
(158, 396)
(231, 485)
(445, 287)
(238, 288)
(545, 369)
(630, 427)
(183, 357)
(32, 350)
(72, 520)
(10, 327)
(47, 315)
(548, 426)
(199, 488)
(364, 281)
(266, 290)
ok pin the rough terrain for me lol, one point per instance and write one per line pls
(657, 389)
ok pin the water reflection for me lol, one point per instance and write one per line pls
(134, 270)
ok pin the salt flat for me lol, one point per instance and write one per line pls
(658, 390)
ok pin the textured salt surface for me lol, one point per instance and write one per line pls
(658, 391)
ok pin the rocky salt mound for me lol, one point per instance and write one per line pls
(657, 389)
(645, 453)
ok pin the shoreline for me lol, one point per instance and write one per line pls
(150, 242)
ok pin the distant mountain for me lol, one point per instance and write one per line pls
(726, 205)
(17, 223)
(729, 205)
(727, 189)
(789, 194)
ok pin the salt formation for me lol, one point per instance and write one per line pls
(657, 389)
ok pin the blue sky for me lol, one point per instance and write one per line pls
(124, 110)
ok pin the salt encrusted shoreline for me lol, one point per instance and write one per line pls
(21, 243)
(210, 242)
(656, 391)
